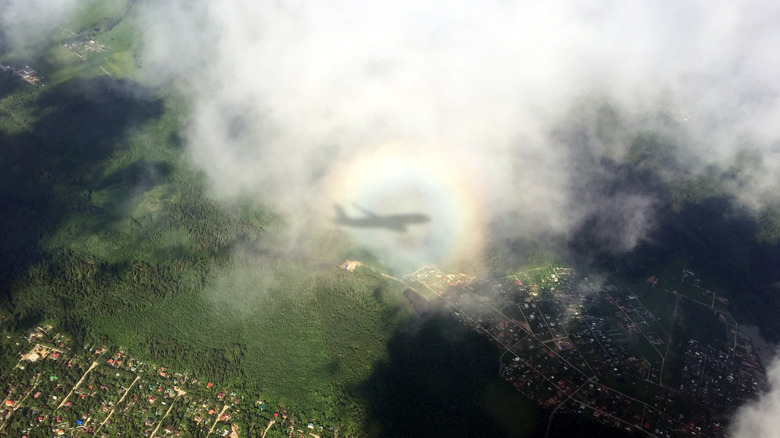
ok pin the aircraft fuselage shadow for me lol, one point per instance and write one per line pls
(394, 222)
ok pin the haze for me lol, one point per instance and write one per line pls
(293, 102)
(483, 116)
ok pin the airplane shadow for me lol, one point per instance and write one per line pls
(395, 222)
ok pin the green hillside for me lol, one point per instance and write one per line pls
(110, 237)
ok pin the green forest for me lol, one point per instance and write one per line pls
(110, 235)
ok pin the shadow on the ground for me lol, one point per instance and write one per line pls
(47, 172)
(719, 240)
(440, 381)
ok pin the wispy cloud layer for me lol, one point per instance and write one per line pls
(23, 23)
(761, 418)
(496, 119)
(285, 94)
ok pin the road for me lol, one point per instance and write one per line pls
(154, 432)
(224, 408)
(91, 367)
(669, 340)
(552, 414)
(117, 404)
(270, 423)
(580, 393)
(19, 403)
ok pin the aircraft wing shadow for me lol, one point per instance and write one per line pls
(394, 222)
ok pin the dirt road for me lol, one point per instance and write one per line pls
(270, 423)
(225, 408)
(117, 404)
(91, 367)
(154, 432)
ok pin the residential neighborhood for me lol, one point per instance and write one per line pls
(570, 343)
(575, 345)
(26, 73)
(54, 390)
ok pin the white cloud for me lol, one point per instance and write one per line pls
(26, 22)
(286, 93)
(760, 418)
(483, 115)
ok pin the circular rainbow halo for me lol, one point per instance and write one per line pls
(378, 190)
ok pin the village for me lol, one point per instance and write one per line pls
(78, 46)
(575, 345)
(55, 391)
(568, 342)
(26, 73)
(81, 47)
